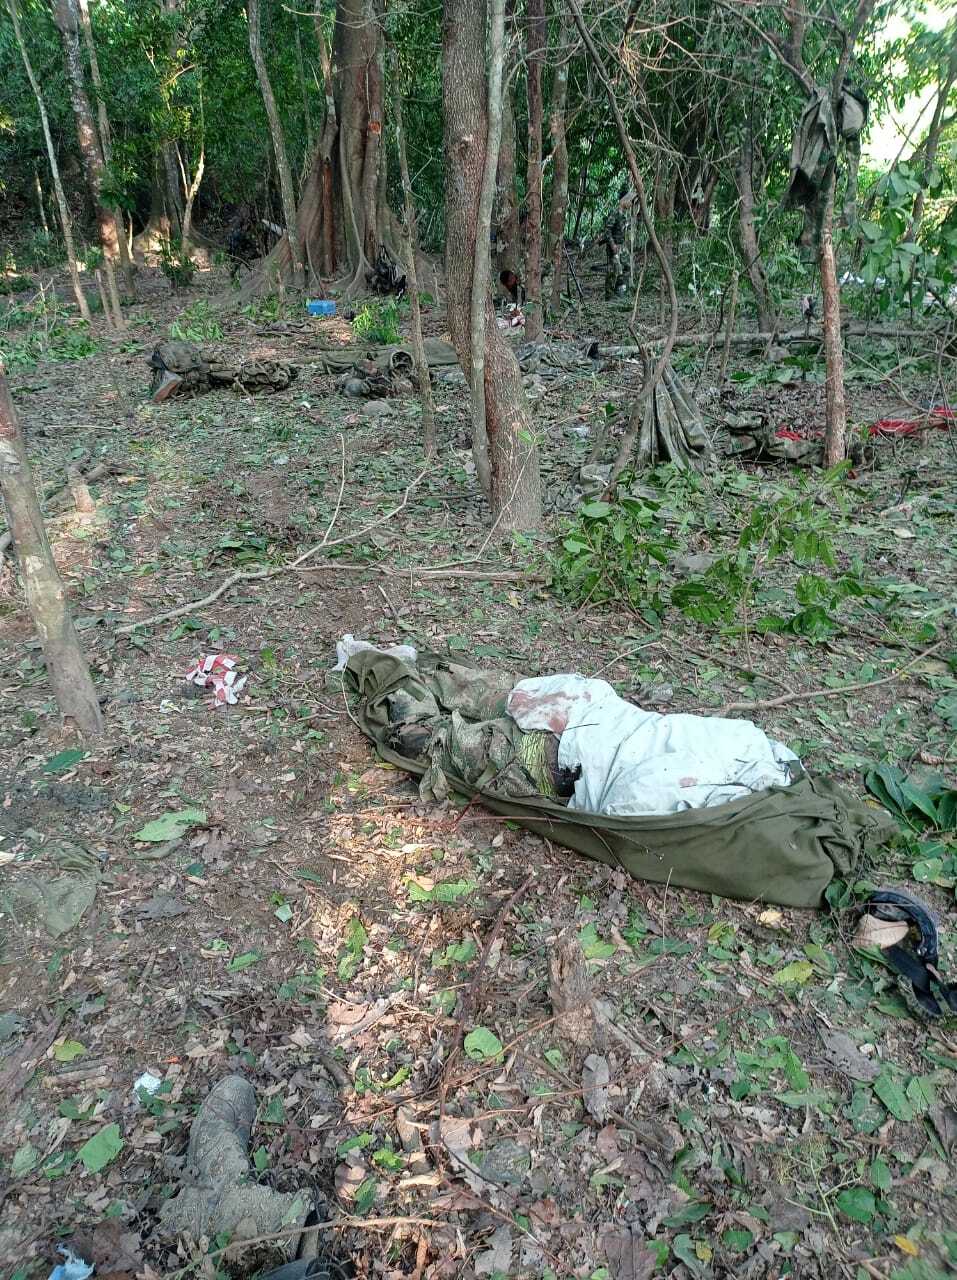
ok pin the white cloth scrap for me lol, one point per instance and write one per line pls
(642, 762)
(349, 645)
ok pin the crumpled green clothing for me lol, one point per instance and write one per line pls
(57, 902)
(782, 845)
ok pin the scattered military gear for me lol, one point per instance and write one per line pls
(181, 368)
(815, 144)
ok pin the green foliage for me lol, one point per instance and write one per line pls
(796, 530)
(176, 264)
(930, 802)
(377, 322)
(613, 551)
(199, 322)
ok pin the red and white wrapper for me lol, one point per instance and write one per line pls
(217, 671)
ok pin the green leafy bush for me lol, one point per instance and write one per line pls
(377, 322)
(176, 264)
(199, 322)
(613, 551)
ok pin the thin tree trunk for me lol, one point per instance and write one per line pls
(536, 43)
(470, 180)
(90, 149)
(307, 114)
(559, 201)
(278, 141)
(41, 207)
(932, 142)
(409, 242)
(327, 150)
(835, 408)
(66, 221)
(106, 140)
(45, 595)
(750, 249)
(507, 239)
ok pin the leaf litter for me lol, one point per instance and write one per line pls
(650, 1079)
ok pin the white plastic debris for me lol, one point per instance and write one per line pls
(349, 645)
(217, 671)
(640, 762)
(146, 1083)
(74, 1268)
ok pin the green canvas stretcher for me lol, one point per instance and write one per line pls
(782, 845)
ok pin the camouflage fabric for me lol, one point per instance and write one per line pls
(445, 722)
(181, 368)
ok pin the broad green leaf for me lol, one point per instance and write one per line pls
(792, 974)
(243, 961)
(693, 1211)
(64, 760)
(24, 1159)
(102, 1149)
(386, 1158)
(595, 510)
(481, 1045)
(857, 1203)
(892, 1096)
(283, 913)
(69, 1050)
(261, 1159)
(275, 1112)
(365, 1196)
(172, 825)
(358, 1143)
(881, 1174)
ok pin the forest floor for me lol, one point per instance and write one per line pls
(775, 1106)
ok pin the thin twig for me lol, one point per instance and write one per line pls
(786, 698)
(255, 575)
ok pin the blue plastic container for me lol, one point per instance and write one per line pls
(322, 308)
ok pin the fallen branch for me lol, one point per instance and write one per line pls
(787, 698)
(790, 335)
(257, 575)
(415, 571)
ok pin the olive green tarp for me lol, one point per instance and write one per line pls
(782, 845)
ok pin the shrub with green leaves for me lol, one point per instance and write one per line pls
(377, 322)
(199, 322)
(176, 264)
(613, 551)
(787, 529)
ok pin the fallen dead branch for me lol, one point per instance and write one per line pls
(414, 571)
(257, 575)
(791, 335)
(786, 699)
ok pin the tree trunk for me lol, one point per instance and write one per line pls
(932, 141)
(339, 221)
(515, 482)
(46, 598)
(90, 148)
(303, 89)
(66, 221)
(559, 201)
(278, 142)
(106, 141)
(409, 243)
(835, 413)
(750, 249)
(507, 237)
(536, 43)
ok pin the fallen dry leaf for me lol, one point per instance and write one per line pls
(595, 1080)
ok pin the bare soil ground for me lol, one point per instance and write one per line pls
(769, 1104)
